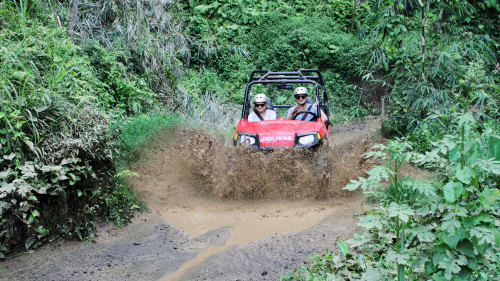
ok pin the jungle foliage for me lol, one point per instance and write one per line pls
(84, 85)
(441, 230)
(66, 109)
(436, 55)
(232, 38)
(440, 61)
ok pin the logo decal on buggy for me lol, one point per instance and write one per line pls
(285, 138)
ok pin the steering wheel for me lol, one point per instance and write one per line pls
(315, 116)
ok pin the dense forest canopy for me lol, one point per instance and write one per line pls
(85, 83)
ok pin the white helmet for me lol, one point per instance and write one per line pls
(301, 91)
(260, 98)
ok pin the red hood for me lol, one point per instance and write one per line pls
(280, 132)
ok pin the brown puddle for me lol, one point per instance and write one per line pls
(250, 221)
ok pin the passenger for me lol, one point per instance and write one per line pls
(300, 95)
(260, 109)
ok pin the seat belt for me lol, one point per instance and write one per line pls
(305, 115)
(258, 114)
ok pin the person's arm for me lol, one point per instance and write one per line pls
(324, 118)
(273, 115)
(252, 117)
(295, 110)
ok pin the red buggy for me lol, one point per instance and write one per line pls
(284, 133)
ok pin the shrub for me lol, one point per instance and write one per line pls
(57, 150)
(443, 230)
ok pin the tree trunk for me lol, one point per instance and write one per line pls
(353, 14)
(424, 23)
(73, 15)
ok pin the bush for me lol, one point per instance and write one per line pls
(57, 105)
(441, 230)
(122, 89)
(280, 43)
(305, 43)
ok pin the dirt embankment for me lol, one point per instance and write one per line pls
(219, 212)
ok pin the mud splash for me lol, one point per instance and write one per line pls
(199, 182)
(226, 171)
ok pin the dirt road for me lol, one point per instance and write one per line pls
(211, 219)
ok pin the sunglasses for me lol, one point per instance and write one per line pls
(300, 96)
(259, 104)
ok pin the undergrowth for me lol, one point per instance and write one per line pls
(68, 112)
(137, 130)
(441, 230)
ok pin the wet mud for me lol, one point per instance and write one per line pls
(219, 212)
(237, 172)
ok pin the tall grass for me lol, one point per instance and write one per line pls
(58, 118)
(208, 111)
(144, 29)
(136, 130)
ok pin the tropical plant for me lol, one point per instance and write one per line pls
(145, 31)
(425, 49)
(57, 146)
(446, 230)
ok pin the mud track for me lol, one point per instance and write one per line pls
(218, 213)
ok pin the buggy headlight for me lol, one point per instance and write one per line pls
(247, 139)
(306, 139)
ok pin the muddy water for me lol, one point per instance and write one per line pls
(211, 203)
(205, 184)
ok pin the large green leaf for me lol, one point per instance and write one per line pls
(423, 187)
(449, 238)
(429, 267)
(451, 265)
(454, 154)
(403, 211)
(371, 221)
(465, 175)
(438, 256)
(423, 233)
(486, 217)
(470, 221)
(452, 191)
(464, 274)
(466, 247)
(483, 235)
(399, 258)
(494, 147)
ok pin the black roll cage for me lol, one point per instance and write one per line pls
(312, 76)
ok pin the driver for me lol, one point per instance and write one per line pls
(300, 95)
(260, 110)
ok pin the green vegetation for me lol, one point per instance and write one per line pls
(138, 129)
(85, 85)
(234, 38)
(68, 112)
(444, 230)
(444, 102)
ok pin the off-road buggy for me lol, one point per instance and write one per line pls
(284, 133)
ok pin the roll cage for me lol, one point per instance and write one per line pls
(284, 79)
